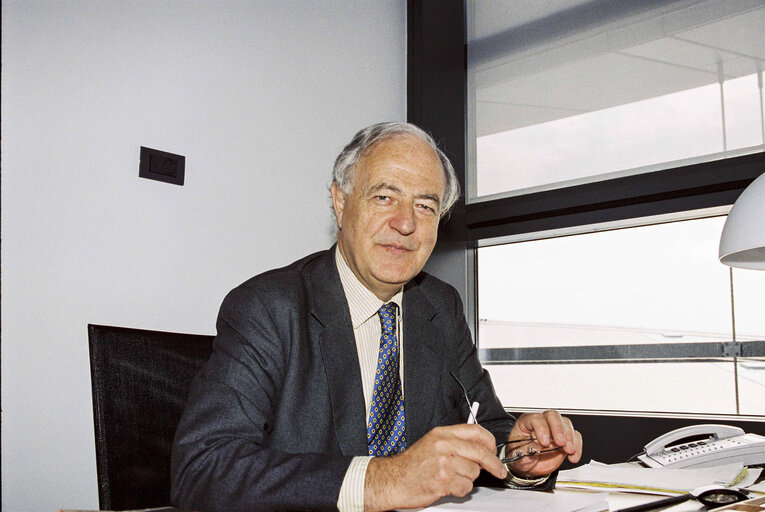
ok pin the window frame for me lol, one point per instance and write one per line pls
(680, 189)
(437, 101)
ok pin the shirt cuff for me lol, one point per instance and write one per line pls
(351, 498)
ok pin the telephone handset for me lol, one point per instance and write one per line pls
(703, 446)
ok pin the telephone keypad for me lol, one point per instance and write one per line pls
(687, 451)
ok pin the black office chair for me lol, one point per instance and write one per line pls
(140, 381)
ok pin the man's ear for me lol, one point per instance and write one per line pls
(338, 203)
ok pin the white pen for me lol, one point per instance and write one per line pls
(473, 414)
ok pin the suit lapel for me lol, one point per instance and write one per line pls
(338, 349)
(423, 358)
(423, 355)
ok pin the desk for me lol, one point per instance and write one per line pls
(616, 501)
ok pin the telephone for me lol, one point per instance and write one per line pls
(704, 446)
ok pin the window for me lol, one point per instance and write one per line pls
(564, 93)
(605, 143)
(572, 313)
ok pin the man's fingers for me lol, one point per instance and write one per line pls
(550, 430)
(472, 444)
(576, 454)
(563, 433)
(561, 430)
(535, 425)
(465, 467)
(473, 433)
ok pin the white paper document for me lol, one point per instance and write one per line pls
(485, 499)
(628, 477)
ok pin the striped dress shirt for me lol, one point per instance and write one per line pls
(363, 306)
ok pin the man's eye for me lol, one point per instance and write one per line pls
(382, 198)
(427, 208)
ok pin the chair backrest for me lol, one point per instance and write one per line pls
(140, 382)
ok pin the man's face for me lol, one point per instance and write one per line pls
(389, 221)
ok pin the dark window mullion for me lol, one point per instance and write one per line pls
(691, 187)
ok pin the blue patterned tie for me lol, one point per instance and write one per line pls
(385, 430)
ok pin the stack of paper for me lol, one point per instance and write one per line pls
(668, 481)
(486, 499)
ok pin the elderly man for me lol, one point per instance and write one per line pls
(336, 382)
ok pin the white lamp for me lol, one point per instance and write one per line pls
(742, 243)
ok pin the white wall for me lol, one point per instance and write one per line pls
(259, 96)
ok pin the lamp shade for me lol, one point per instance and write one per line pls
(742, 243)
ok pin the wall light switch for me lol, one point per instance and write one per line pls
(162, 166)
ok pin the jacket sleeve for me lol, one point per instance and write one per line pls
(221, 458)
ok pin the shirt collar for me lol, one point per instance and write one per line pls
(362, 303)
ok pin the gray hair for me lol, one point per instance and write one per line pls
(365, 139)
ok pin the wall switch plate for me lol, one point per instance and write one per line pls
(162, 166)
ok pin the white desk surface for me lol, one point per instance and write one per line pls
(620, 500)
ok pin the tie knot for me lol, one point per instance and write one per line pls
(387, 313)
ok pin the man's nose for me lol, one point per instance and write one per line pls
(403, 219)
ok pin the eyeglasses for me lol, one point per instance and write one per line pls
(530, 452)
(518, 451)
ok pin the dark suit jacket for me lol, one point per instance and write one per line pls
(274, 419)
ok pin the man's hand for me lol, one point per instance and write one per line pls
(443, 462)
(550, 430)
